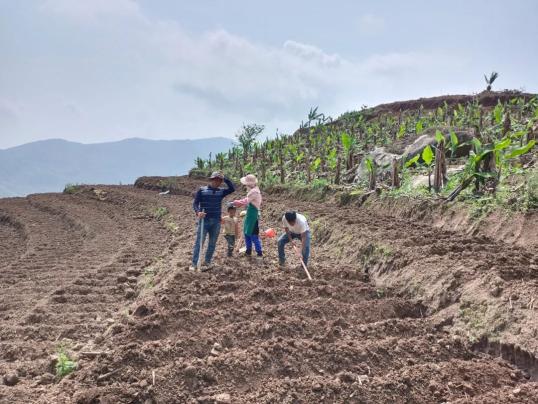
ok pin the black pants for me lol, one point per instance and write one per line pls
(230, 238)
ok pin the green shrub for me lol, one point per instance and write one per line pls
(64, 365)
(160, 212)
(71, 188)
(532, 190)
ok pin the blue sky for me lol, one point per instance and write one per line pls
(103, 70)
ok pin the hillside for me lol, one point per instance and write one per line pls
(448, 146)
(97, 280)
(47, 166)
(415, 297)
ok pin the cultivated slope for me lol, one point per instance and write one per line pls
(98, 272)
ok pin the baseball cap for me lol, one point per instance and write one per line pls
(216, 174)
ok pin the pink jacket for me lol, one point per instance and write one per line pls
(254, 196)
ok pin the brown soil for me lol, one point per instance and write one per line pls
(97, 271)
(485, 98)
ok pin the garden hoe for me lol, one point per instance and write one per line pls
(302, 262)
(199, 263)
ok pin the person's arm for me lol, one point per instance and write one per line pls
(196, 204)
(303, 241)
(286, 229)
(230, 189)
(239, 203)
(238, 236)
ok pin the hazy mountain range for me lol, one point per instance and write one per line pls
(48, 165)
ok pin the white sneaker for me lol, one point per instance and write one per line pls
(192, 268)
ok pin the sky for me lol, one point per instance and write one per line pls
(104, 70)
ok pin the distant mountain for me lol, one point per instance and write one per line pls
(48, 165)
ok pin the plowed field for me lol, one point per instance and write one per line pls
(102, 275)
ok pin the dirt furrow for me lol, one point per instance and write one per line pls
(247, 332)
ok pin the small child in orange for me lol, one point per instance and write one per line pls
(231, 228)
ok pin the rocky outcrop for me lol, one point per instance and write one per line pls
(381, 158)
(428, 138)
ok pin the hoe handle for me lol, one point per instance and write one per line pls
(302, 262)
(201, 224)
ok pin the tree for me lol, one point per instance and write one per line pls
(200, 164)
(247, 137)
(220, 158)
(489, 81)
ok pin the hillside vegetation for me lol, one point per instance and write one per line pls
(471, 146)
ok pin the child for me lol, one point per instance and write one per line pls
(253, 202)
(231, 228)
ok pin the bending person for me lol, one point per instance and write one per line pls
(296, 228)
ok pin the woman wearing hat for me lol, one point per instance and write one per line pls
(253, 202)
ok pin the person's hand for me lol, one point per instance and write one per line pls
(201, 215)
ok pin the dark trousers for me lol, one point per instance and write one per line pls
(254, 238)
(230, 238)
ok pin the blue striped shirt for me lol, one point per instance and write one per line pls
(209, 199)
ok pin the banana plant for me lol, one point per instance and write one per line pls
(372, 175)
(348, 143)
(489, 80)
(427, 157)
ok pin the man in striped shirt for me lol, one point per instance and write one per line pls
(208, 205)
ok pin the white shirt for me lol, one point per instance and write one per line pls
(300, 226)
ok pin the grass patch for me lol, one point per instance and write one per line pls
(163, 214)
(64, 364)
(159, 212)
(72, 188)
(171, 226)
(372, 254)
(149, 278)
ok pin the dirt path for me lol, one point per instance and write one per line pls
(106, 275)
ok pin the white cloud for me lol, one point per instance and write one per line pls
(370, 24)
(92, 9)
(9, 114)
(151, 78)
(312, 54)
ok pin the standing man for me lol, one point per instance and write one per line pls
(296, 227)
(208, 205)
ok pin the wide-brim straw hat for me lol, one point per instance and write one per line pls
(249, 180)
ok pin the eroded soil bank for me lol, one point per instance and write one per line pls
(102, 272)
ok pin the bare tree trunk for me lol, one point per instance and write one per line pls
(262, 152)
(395, 174)
(507, 124)
(532, 133)
(460, 188)
(439, 176)
(337, 174)
(307, 157)
(281, 163)
(373, 177)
